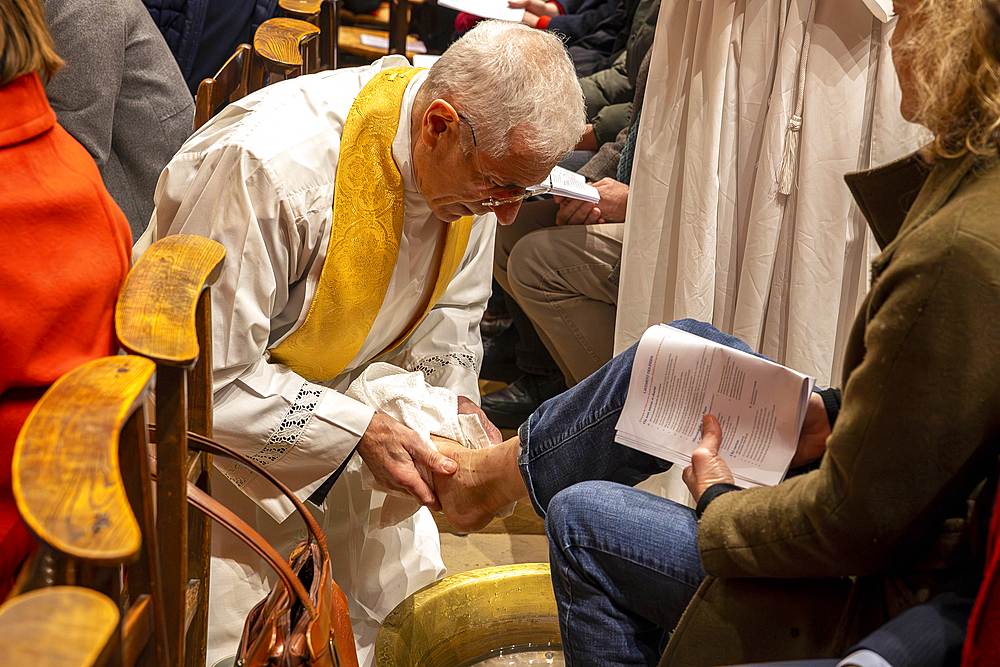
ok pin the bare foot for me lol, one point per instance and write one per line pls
(487, 480)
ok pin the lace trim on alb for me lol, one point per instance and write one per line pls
(286, 436)
(432, 365)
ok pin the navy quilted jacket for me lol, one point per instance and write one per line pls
(181, 23)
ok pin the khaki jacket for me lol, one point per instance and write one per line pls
(807, 568)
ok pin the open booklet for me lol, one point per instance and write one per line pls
(566, 183)
(678, 378)
(487, 9)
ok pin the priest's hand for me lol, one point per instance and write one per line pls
(468, 407)
(400, 460)
(815, 431)
(707, 467)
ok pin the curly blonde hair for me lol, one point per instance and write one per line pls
(25, 43)
(952, 49)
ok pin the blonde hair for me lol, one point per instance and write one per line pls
(25, 43)
(955, 75)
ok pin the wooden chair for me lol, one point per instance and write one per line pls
(164, 313)
(80, 469)
(350, 42)
(325, 15)
(240, 76)
(62, 626)
(287, 48)
(379, 20)
(399, 24)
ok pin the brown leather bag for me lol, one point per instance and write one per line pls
(304, 621)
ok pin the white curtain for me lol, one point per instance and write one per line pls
(708, 234)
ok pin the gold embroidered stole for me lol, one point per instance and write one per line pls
(364, 239)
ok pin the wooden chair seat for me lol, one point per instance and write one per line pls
(287, 48)
(62, 626)
(350, 41)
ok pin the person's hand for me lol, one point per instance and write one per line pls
(529, 19)
(401, 461)
(588, 142)
(536, 7)
(707, 467)
(611, 208)
(468, 407)
(815, 431)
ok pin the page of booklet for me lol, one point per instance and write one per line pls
(678, 378)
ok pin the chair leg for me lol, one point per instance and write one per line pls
(145, 586)
(171, 501)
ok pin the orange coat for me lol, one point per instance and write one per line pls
(64, 253)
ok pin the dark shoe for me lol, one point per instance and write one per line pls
(499, 357)
(512, 405)
(489, 328)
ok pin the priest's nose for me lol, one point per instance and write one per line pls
(506, 212)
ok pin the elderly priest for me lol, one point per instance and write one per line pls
(357, 208)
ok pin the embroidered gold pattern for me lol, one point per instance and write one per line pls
(364, 240)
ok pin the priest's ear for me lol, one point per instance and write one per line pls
(441, 123)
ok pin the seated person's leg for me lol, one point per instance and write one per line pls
(625, 563)
(559, 276)
(569, 439)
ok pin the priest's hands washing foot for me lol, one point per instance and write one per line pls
(486, 481)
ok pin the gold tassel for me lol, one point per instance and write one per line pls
(790, 156)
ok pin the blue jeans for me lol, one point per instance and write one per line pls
(625, 563)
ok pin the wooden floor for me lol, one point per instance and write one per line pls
(462, 553)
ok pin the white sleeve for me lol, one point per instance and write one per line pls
(446, 346)
(300, 430)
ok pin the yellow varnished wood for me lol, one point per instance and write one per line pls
(350, 41)
(65, 472)
(62, 626)
(234, 80)
(155, 315)
(281, 44)
(304, 10)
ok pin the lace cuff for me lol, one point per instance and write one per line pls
(431, 366)
(284, 437)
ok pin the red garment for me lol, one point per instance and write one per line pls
(64, 253)
(982, 639)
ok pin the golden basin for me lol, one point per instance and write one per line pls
(468, 616)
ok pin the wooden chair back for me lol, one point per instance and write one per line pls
(286, 48)
(240, 76)
(329, 34)
(62, 626)
(81, 481)
(399, 26)
(164, 313)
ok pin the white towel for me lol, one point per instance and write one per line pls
(407, 398)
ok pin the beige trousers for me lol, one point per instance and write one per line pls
(559, 276)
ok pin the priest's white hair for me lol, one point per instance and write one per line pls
(517, 87)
